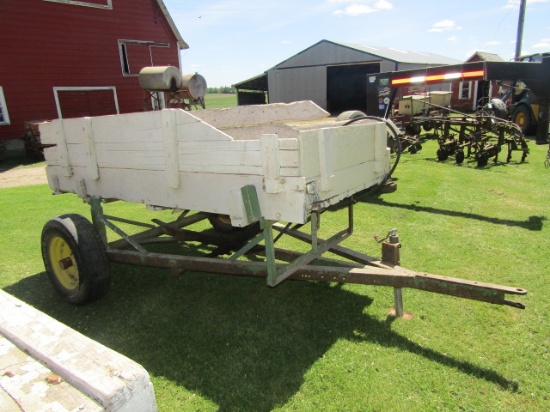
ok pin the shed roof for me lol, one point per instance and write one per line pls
(399, 55)
(172, 25)
(535, 57)
(388, 53)
(258, 82)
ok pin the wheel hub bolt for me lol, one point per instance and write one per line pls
(65, 263)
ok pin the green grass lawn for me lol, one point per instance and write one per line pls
(220, 101)
(225, 343)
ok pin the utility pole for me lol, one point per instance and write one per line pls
(519, 38)
(544, 103)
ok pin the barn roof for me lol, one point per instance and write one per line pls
(172, 25)
(486, 57)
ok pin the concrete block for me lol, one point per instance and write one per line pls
(111, 380)
(28, 385)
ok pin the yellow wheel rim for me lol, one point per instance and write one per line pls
(520, 119)
(63, 263)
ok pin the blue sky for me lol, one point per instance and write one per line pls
(232, 40)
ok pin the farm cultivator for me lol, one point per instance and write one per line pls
(461, 135)
(482, 134)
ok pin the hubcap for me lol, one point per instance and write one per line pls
(63, 263)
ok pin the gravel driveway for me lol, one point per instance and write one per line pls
(23, 177)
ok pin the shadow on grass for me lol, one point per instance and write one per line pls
(534, 223)
(232, 340)
(471, 162)
(17, 161)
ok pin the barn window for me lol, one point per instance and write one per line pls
(137, 54)
(4, 117)
(465, 90)
(98, 4)
(85, 101)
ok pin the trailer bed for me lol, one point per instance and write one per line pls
(298, 157)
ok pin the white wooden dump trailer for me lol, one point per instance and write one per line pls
(267, 164)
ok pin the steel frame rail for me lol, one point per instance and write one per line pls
(280, 264)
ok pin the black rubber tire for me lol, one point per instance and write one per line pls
(482, 159)
(459, 156)
(75, 258)
(427, 126)
(523, 117)
(414, 128)
(222, 223)
(442, 155)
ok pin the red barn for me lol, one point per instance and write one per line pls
(468, 95)
(68, 58)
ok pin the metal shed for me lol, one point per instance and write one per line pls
(334, 74)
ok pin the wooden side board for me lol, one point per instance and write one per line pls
(173, 159)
